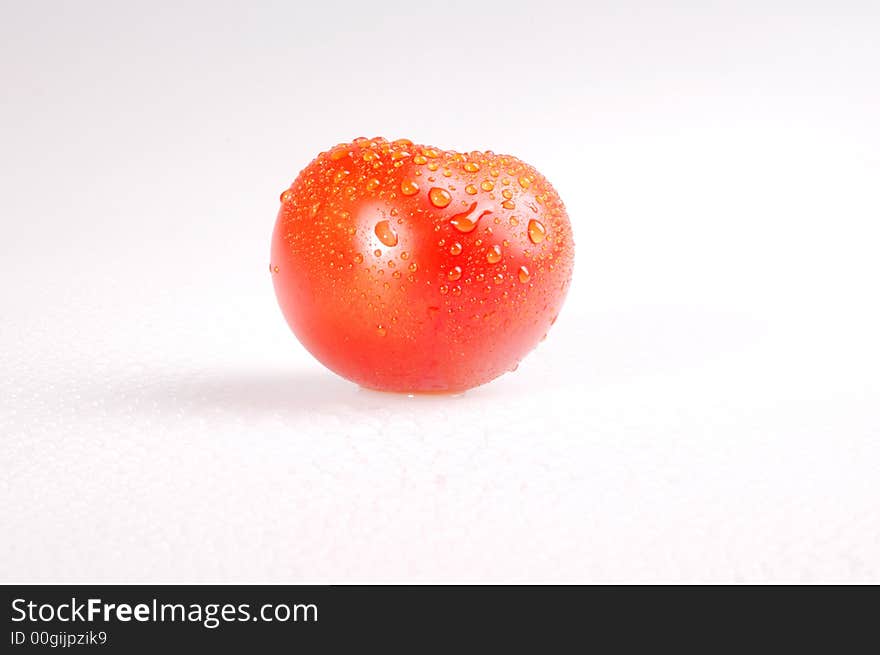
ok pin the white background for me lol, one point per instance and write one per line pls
(707, 407)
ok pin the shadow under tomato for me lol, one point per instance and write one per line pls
(589, 353)
(261, 394)
(258, 392)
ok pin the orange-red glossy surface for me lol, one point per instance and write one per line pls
(409, 268)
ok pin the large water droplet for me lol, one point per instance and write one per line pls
(471, 166)
(339, 152)
(537, 231)
(455, 248)
(409, 188)
(524, 275)
(454, 273)
(463, 221)
(494, 255)
(386, 233)
(439, 197)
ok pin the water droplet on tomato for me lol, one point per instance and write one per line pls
(471, 166)
(409, 188)
(358, 258)
(494, 255)
(487, 185)
(537, 231)
(454, 273)
(439, 197)
(386, 233)
(524, 275)
(373, 184)
(381, 330)
(420, 159)
(286, 195)
(463, 222)
(455, 248)
(470, 189)
(525, 182)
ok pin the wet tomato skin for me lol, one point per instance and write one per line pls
(408, 268)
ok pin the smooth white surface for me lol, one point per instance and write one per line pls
(705, 409)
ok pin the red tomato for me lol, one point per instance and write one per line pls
(409, 268)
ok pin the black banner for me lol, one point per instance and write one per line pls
(411, 619)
